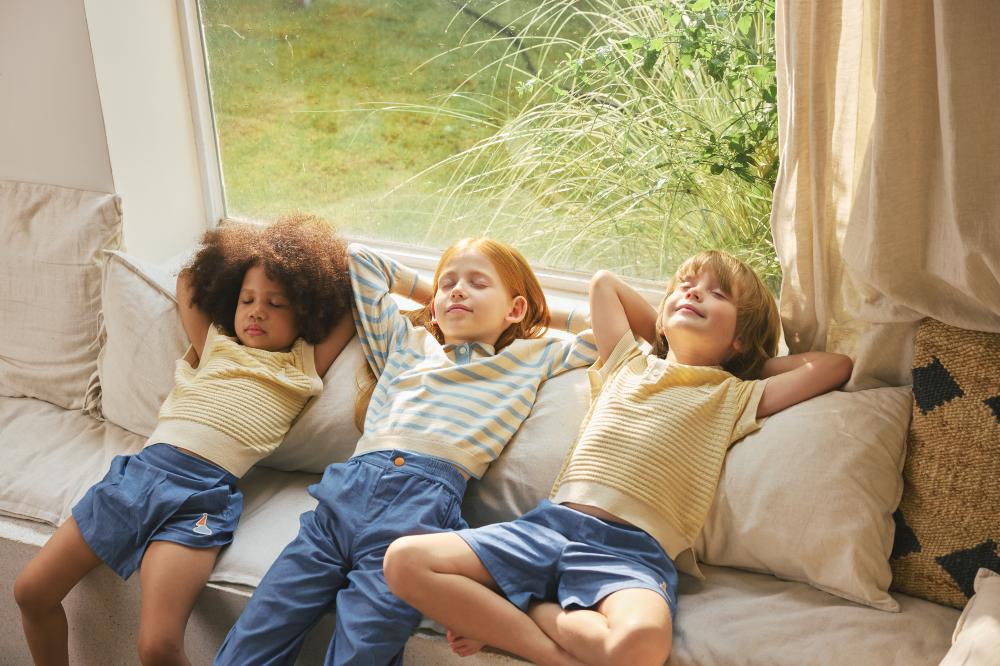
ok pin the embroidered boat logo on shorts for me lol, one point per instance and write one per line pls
(201, 527)
(663, 586)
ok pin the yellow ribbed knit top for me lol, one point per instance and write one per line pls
(238, 404)
(651, 448)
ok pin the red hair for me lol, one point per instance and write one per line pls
(516, 275)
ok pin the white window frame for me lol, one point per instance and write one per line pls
(566, 288)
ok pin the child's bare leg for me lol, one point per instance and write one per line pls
(627, 627)
(172, 576)
(440, 575)
(44, 583)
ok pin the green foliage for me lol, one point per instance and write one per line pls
(649, 133)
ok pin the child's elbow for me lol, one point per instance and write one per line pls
(183, 283)
(601, 279)
(842, 368)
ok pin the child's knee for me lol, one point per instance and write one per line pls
(404, 561)
(159, 648)
(640, 644)
(32, 594)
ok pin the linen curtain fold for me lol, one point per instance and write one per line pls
(887, 203)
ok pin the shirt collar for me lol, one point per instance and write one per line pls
(475, 348)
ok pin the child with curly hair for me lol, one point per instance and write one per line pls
(267, 310)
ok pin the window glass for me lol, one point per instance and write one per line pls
(619, 135)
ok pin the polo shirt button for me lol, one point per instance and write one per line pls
(398, 461)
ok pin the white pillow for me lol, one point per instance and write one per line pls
(809, 497)
(144, 339)
(977, 635)
(523, 474)
(325, 432)
(51, 240)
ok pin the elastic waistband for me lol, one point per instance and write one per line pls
(586, 518)
(171, 459)
(407, 462)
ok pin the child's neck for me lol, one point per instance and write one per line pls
(456, 342)
(693, 358)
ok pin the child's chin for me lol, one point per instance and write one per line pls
(255, 343)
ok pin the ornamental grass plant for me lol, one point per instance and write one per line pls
(626, 135)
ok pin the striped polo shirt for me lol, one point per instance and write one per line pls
(650, 450)
(458, 402)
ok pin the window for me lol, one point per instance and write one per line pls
(590, 135)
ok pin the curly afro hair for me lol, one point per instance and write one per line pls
(303, 253)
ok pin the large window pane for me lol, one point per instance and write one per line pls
(622, 135)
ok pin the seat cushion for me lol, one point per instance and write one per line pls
(50, 456)
(736, 617)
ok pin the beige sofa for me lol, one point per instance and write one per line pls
(794, 553)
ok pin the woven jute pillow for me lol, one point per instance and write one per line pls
(948, 522)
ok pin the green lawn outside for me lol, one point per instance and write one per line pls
(297, 92)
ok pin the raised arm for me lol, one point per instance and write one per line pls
(570, 319)
(799, 377)
(194, 321)
(423, 292)
(615, 309)
(379, 324)
(329, 348)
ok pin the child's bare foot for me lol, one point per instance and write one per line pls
(462, 646)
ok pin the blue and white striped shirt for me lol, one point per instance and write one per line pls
(458, 402)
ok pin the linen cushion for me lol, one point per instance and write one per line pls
(948, 521)
(144, 339)
(809, 497)
(51, 240)
(977, 635)
(523, 474)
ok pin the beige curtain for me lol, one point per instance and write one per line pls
(887, 205)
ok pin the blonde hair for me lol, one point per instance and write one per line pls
(758, 326)
(516, 276)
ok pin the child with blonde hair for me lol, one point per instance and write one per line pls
(589, 575)
(261, 307)
(448, 398)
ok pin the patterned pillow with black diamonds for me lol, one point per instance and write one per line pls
(948, 522)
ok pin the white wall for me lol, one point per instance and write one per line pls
(93, 95)
(51, 128)
(150, 133)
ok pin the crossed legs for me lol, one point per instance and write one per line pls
(441, 575)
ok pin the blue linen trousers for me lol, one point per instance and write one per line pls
(336, 561)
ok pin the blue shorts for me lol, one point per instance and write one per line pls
(158, 494)
(336, 561)
(559, 554)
